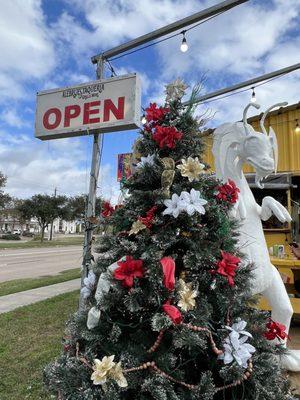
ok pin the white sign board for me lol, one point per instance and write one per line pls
(106, 105)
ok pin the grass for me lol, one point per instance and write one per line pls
(18, 285)
(66, 241)
(30, 337)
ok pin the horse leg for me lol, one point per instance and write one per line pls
(282, 312)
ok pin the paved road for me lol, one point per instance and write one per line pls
(32, 263)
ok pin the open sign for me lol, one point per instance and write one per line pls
(106, 105)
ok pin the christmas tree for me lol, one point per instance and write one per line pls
(168, 314)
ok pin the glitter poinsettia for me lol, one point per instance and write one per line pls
(228, 192)
(148, 220)
(173, 313)
(149, 160)
(137, 226)
(192, 202)
(191, 168)
(227, 267)
(175, 90)
(173, 206)
(154, 113)
(168, 265)
(107, 209)
(108, 369)
(166, 136)
(187, 296)
(275, 330)
(128, 270)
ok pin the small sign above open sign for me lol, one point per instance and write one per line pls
(106, 105)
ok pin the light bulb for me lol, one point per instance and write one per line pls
(184, 46)
(297, 128)
(253, 97)
(144, 121)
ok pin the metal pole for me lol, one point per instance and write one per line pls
(91, 202)
(244, 84)
(175, 26)
(51, 229)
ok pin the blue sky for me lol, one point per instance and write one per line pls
(48, 44)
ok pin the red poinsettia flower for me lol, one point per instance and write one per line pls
(128, 270)
(173, 313)
(154, 113)
(168, 265)
(275, 330)
(228, 192)
(148, 220)
(166, 136)
(227, 267)
(107, 209)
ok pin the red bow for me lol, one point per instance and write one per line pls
(168, 265)
(228, 192)
(227, 267)
(275, 330)
(173, 313)
(128, 270)
(107, 209)
(154, 113)
(166, 136)
(148, 220)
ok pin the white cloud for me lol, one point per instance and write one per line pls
(11, 117)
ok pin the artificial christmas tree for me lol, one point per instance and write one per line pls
(168, 310)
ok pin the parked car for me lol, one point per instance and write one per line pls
(17, 232)
(27, 234)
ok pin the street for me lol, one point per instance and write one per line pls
(33, 263)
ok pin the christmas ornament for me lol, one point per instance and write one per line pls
(149, 160)
(235, 346)
(154, 113)
(173, 206)
(173, 313)
(168, 265)
(93, 318)
(107, 209)
(187, 296)
(227, 267)
(137, 226)
(166, 136)
(275, 330)
(128, 270)
(108, 369)
(175, 90)
(191, 168)
(228, 192)
(192, 202)
(167, 176)
(148, 220)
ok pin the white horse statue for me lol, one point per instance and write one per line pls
(235, 144)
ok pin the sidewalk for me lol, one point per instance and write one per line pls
(16, 300)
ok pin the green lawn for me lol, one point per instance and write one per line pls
(18, 285)
(65, 241)
(30, 337)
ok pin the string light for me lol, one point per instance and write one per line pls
(144, 120)
(297, 127)
(184, 46)
(253, 97)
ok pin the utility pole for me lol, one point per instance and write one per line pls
(51, 229)
(91, 201)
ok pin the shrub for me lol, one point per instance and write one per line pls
(11, 236)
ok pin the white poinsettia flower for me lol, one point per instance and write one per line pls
(116, 373)
(192, 202)
(88, 284)
(239, 327)
(173, 206)
(101, 369)
(149, 160)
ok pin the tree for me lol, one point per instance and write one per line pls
(44, 208)
(77, 207)
(172, 319)
(4, 197)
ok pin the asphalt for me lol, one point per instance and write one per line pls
(33, 263)
(16, 300)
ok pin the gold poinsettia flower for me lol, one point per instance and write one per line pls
(191, 168)
(137, 226)
(102, 369)
(187, 296)
(116, 373)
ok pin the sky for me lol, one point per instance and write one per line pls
(46, 44)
